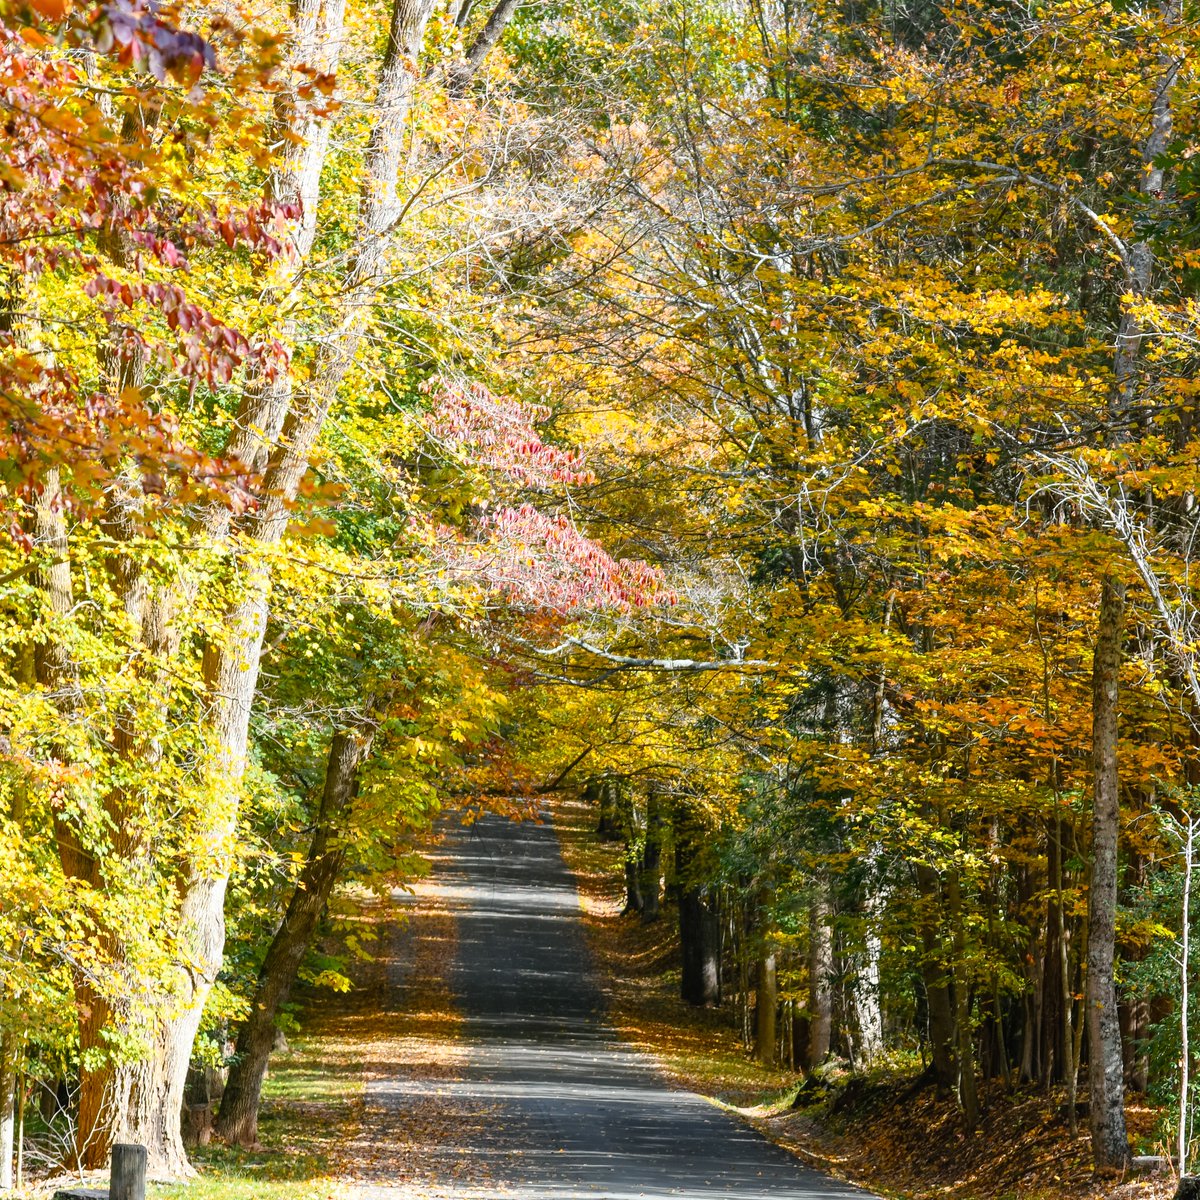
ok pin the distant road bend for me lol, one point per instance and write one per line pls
(568, 1110)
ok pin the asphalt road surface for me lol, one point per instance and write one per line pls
(554, 1106)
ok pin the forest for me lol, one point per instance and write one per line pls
(772, 423)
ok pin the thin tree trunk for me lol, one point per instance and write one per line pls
(967, 1096)
(1110, 1144)
(1055, 982)
(766, 1006)
(651, 875)
(627, 818)
(937, 985)
(237, 1121)
(1185, 966)
(1070, 1065)
(8, 1106)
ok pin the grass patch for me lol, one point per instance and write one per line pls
(311, 1101)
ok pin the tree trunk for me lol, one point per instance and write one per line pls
(766, 1006)
(651, 874)
(58, 674)
(967, 1097)
(633, 884)
(8, 1107)
(867, 998)
(608, 827)
(699, 919)
(628, 821)
(1106, 1071)
(140, 1101)
(937, 985)
(700, 940)
(820, 977)
(801, 1038)
(1056, 989)
(237, 1121)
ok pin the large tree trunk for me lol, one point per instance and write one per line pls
(237, 1122)
(232, 666)
(867, 997)
(302, 123)
(1106, 1070)
(1110, 1143)
(820, 977)
(58, 674)
(700, 941)
(140, 1101)
(868, 1009)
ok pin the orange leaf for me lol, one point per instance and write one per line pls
(52, 10)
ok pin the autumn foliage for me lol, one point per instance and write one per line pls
(776, 423)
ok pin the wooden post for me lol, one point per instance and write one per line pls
(127, 1180)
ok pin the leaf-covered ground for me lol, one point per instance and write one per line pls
(884, 1134)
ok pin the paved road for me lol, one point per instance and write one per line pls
(554, 1106)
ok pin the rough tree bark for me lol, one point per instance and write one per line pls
(867, 998)
(868, 1008)
(237, 1121)
(57, 672)
(140, 1101)
(1106, 1071)
(820, 976)
(1110, 1143)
